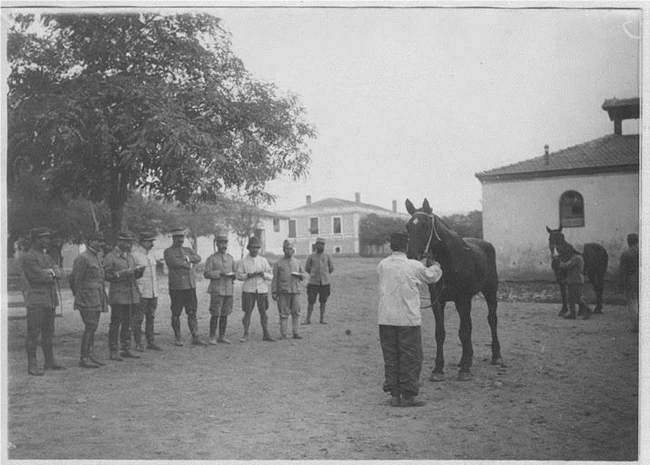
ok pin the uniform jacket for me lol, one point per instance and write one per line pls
(87, 282)
(124, 288)
(283, 281)
(574, 269)
(179, 262)
(215, 266)
(148, 283)
(319, 266)
(40, 286)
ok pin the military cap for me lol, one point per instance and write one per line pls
(398, 240)
(320, 239)
(147, 236)
(40, 232)
(125, 236)
(178, 232)
(95, 236)
(221, 238)
(254, 242)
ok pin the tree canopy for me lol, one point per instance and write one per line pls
(101, 105)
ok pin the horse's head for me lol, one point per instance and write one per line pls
(556, 241)
(421, 230)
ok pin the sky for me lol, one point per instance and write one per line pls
(413, 102)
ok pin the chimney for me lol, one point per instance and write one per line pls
(308, 200)
(621, 109)
(547, 158)
(618, 127)
(394, 206)
(357, 197)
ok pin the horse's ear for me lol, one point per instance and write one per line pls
(549, 230)
(426, 207)
(409, 207)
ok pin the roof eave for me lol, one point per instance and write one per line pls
(500, 177)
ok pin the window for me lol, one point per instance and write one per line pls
(336, 225)
(292, 228)
(313, 225)
(337, 250)
(276, 224)
(572, 210)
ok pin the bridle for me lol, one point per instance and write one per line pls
(431, 233)
(427, 254)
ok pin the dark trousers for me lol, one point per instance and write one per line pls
(120, 324)
(146, 309)
(402, 349)
(575, 298)
(40, 323)
(248, 301)
(91, 322)
(183, 299)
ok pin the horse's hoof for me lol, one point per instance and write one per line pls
(437, 377)
(464, 376)
(598, 311)
(497, 361)
(562, 312)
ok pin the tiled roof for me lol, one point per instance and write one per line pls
(611, 153)
(332, 203)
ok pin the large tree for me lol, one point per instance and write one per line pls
(101, 105)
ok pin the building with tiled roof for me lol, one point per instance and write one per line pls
(333, 219)
(590, 189)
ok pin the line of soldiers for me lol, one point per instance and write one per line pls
(133, 292)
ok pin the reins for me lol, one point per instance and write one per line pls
(431, 254)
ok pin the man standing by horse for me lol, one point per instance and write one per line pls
(573, 263)
(629, 279)
(400, 320)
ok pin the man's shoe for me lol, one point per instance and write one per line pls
(87, 364)
(115, 357)
(223, 340)
(178, 342)
(213, 341)
(562, 312)
(570, 316)
(97, 362)
(140, 348)
(153, 346)
(586, 315)
(35, 371)
(323, 322)
(411, 402)
(198, 342)
(395, 401)
(128, 354)
(297, 336)
(268, 338)
(306, 322)
(53, 366)
(244, 338)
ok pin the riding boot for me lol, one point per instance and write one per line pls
(91, 350)
(194, 330)
(223, 322)
(572, 313)
(50, 363)
(283, 328)
(32, 366)
(322, 314)
(176, 326)
(265, 330)
(294, 326)
(84, 358)
(214, 322)
(310, 310)
(137, 337)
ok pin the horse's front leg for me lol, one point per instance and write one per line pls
(438, 308)
(464, 309)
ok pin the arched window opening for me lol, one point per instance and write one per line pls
(572, 210)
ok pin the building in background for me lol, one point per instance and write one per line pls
(591, 190)
(335, 220)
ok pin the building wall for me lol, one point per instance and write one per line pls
(515, 216)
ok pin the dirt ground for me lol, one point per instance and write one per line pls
(569, 390)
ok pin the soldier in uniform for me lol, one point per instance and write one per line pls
(220, 270)
(40, 277)
(182, 286)
(123, 295)
(285, 289)
(148, 285)
(88, 288)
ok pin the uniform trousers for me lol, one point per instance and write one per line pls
(120, 324)
(40, 323)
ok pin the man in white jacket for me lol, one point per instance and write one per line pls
(256, 273)
(400, 320)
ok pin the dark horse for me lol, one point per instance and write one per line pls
(595, 258)
(468, 267)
